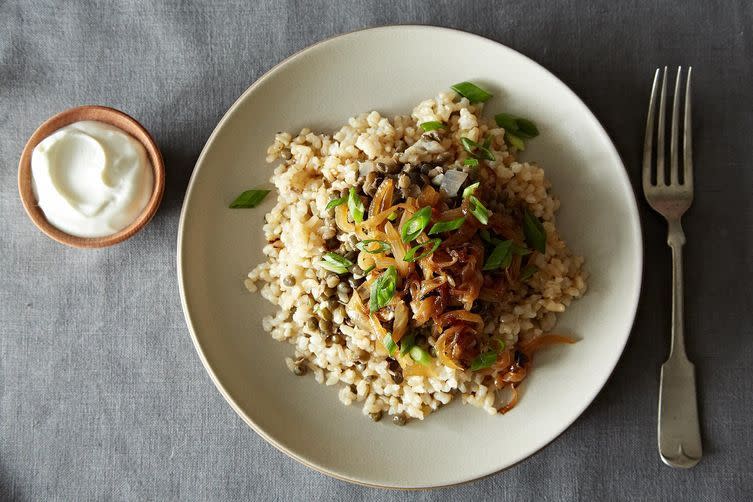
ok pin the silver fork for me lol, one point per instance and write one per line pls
(678, 432)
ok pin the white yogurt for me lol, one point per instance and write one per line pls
(91, 179)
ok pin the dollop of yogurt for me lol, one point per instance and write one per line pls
(91, 179)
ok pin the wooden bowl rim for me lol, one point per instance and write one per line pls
(109, 116)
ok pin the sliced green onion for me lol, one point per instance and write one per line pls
(407, 343)
(382, 247)
(486, 236)
(335, 203)
(476, 150)
(474, 93)
(355, 206)
(389, 344)
(468, 144)
(420, 355)
(383, 289)
(249, 198)
(432, 125)
(336, 263)
(392, 216)
(484, 360)
(470, 189)
(520, 250)
(478, 210)
(534, 232)
(487, 141)
(414, 226)
(410, 256)
(527, 129)
(366, 272)
(506, 121)
(528, 272)
(470, 161)
(499, 256)
(501, 343)
(333, 268)
(446, 226)
(515, 141)
(518, 126)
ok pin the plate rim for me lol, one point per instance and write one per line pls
(612, 150)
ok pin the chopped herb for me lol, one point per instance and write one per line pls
(420, 355)
(410, 256)
(383, 289)
(366, 272)
(382, 247)
(528, 272)
(355, 206)
(486, 236)
(520, 250)
(389, 344)
(479, 151)
(484, 360)
(500, 257)
(506, 121)
(446, 226)
(487, 141)
(414, 226)
(478, 210)
(470, 190)
(392, 216)
(515, 141)
(470, 161)
(527, 129)
(249, 198)
(534, 232)
(336, 263)
(518, 126)
(432, 125)
(501, 343)
(474, 93)
(335, 203)
(407, 343)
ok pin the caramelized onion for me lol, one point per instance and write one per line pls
(512, 402)
(400, 322)
(544, 341)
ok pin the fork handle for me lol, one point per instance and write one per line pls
(679, 431)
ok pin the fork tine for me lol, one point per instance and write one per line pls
(673, 176)
(661, 132)
(687, 143)
(648, 142)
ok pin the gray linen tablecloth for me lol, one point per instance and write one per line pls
(101, 393)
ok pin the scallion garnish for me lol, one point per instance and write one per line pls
(528, 272)
(471, 161)
(470, 190)
(407, 343)
(335, 203)
(336, 263)
(520, 250)
(474, 93)
(420, 355)
(523, 128)
(477, 150)
(534, 232)
(355, 206)
(515, 141)
(383, 289)
(410, 256)
(484, 360)
(366, 272)
(446, 226)
(382, 247)
(389, 344)
(392, 216)
(500, 257)
(416, 224)
(478, 210)
(432, 125)
(249, 198)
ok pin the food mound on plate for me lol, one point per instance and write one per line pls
(416, 260)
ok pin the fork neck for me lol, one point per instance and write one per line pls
(676, 235)
(676, 239)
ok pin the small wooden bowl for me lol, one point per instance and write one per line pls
(108, 116)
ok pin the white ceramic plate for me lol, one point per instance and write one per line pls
(391, 69)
